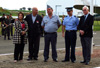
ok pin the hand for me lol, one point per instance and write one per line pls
(23, 32)
(16, 19)
(82, 32)
(10, 24)
(63, 35)
(7, 25)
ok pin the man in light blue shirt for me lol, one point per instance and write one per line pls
(50, 23)
(70, 24)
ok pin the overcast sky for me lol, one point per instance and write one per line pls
(16, 4)
(40, 4)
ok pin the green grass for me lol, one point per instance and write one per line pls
(15, 12)
(96, 26)
(60, 29)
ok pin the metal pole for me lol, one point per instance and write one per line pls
(56, 8)
(91, 12)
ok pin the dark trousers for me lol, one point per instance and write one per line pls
(53, 39)
(7, 33)
(34, 42)
(3, 31)
(11, 30)
(86, 47)
(70, 41)
(42, 32)
(18, 51)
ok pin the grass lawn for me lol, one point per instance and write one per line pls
(96, 26)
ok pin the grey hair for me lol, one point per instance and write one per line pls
(86, 7)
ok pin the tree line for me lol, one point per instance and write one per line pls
(24, 8)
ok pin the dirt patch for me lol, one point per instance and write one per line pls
(7, 61)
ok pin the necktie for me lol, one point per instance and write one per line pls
(84, 18)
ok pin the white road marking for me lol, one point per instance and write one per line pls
(39, 51)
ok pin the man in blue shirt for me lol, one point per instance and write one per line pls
(50, 23)
(70, 24)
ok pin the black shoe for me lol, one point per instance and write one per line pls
(29, 59)
(45, 60)
(55, 60)
(9, 39)
(65, 60)
(73, 61)
(87, 63)
(82, 62)
(35, 58)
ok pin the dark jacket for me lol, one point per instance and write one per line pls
(34, 28)
(7, 21)
(86, 26)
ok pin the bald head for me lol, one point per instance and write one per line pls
(34, 11)
(34, 8)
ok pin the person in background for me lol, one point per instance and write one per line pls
(63, 18)
(42, 15)
(50, 23)
(7, 28)
(11, 27)
(86, 34)
(2, 24)
(20, 37)
(42, 30)
(34, 24)
(70, 24)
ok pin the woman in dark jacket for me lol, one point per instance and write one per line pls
(20, 37)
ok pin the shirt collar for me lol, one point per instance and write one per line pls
(86, 15)
(71, 16)
(51, 17)
(34, 16)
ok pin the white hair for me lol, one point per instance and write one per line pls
(86, 7)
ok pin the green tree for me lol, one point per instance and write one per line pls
(24, 8)
(29, 9)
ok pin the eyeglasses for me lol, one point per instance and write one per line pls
(83, 10)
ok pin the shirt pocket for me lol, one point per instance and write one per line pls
(45, 21)
(74, 22)
(54, 20)
(66, 22)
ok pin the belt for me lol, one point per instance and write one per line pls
(50, 33)
(71, 30)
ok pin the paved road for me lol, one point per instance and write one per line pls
(7, 46)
